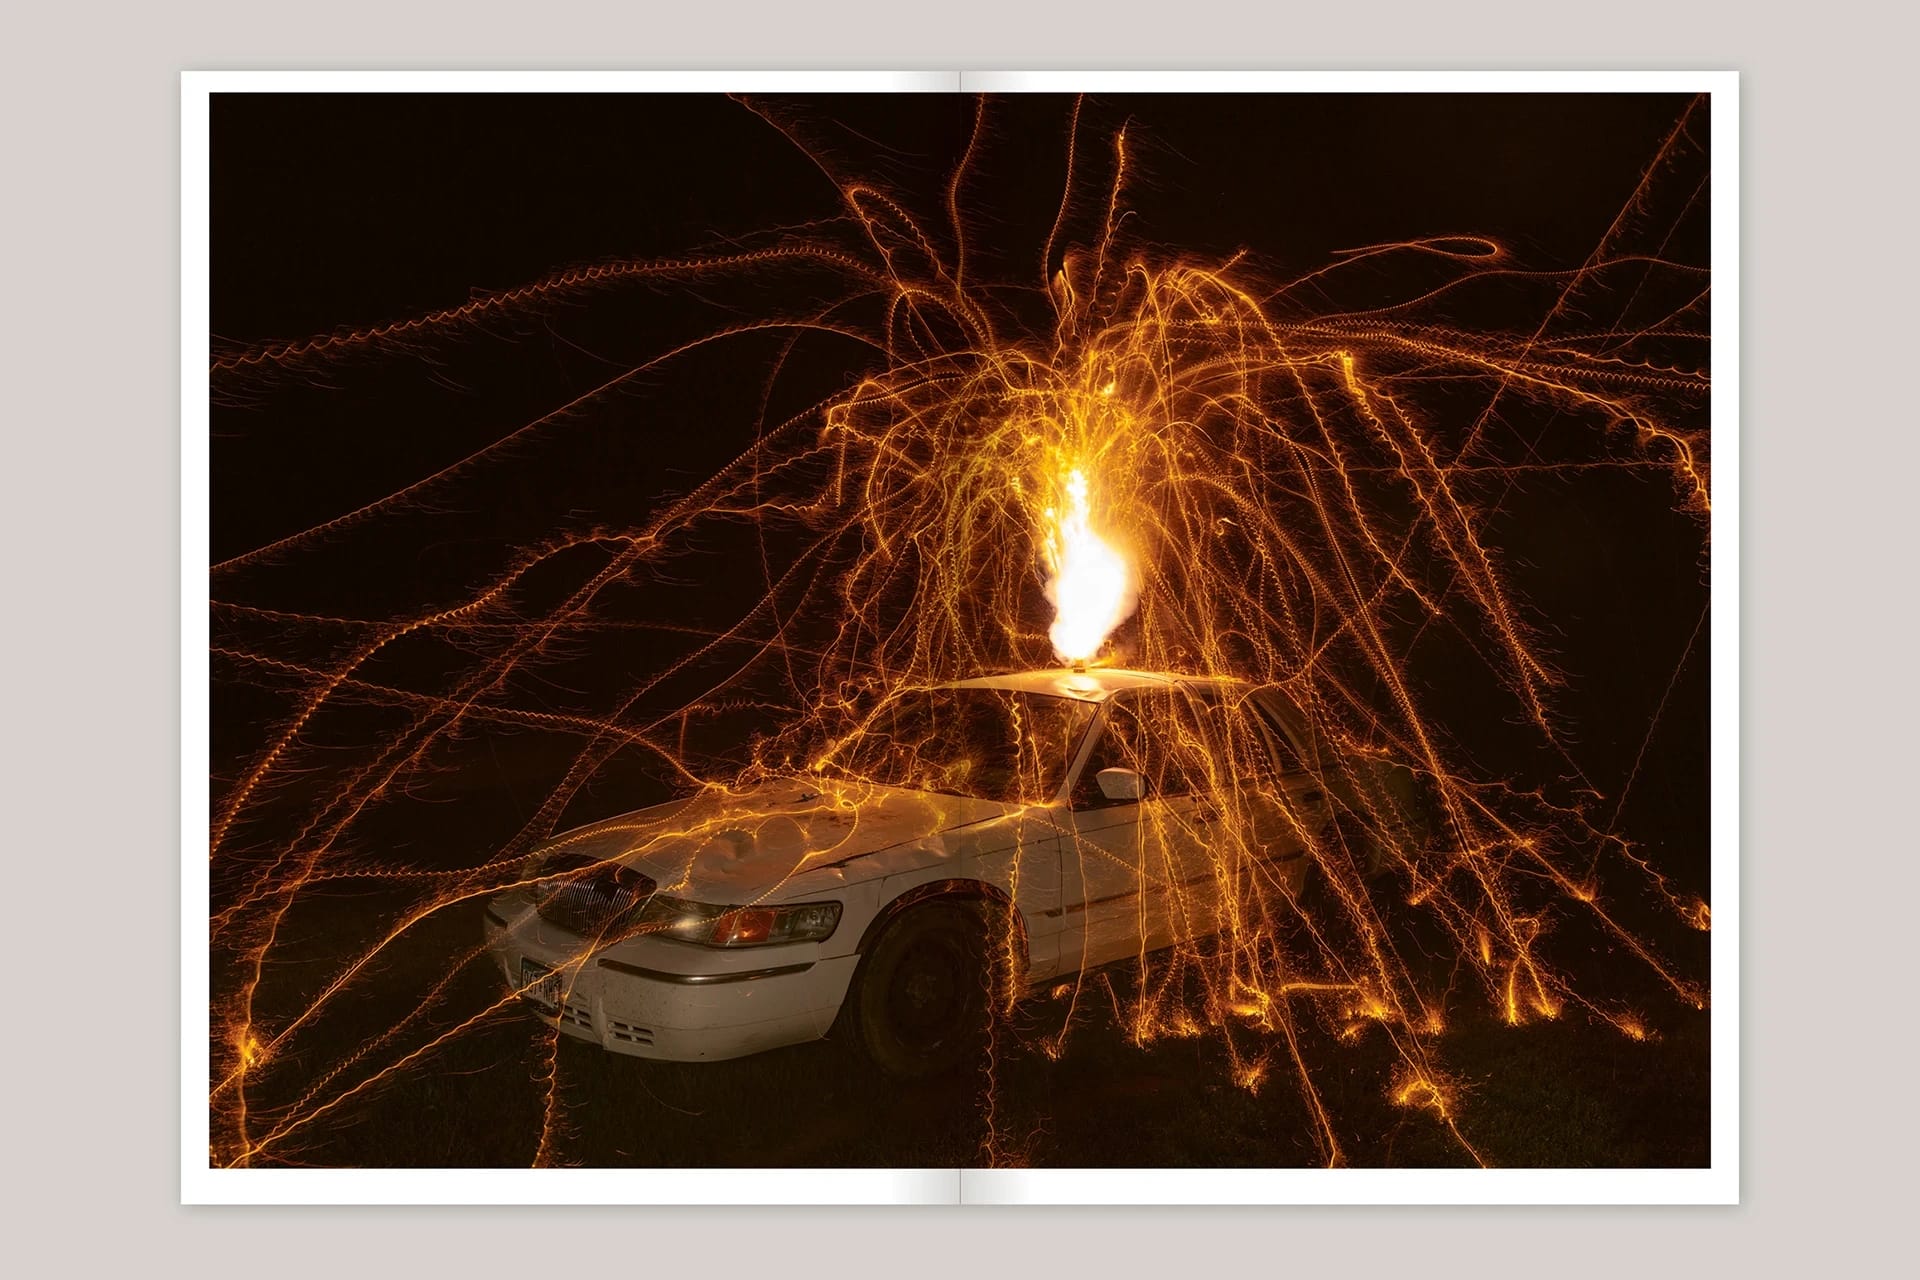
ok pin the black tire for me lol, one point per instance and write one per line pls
(920, 1002)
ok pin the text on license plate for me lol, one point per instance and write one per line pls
(541, 985)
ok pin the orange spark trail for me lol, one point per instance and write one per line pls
(1153, 460)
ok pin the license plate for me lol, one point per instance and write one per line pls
(541, 986)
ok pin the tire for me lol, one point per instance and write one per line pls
(920, 1005)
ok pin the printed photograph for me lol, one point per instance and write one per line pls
(959, 630)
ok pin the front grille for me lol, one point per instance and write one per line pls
(594, 900)
(578, 1014)
(628, 1032)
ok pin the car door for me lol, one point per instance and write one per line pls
(1268, 806)
(1125, 863)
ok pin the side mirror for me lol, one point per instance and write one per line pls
(1121, 784)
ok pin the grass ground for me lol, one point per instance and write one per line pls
(1553, 1094)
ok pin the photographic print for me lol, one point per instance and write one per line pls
(1128, 629)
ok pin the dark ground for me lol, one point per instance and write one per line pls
(1567, 1093)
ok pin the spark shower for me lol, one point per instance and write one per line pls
(931, 421)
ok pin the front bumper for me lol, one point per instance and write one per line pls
(656, 998)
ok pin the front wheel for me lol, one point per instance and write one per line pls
(920, 1001)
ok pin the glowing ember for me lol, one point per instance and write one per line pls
(1092, 585)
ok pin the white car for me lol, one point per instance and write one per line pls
(1061, 820)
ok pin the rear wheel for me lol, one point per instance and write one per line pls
(920, 1001)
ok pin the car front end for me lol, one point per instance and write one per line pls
(656, 996)
(713, 928)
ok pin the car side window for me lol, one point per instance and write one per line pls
(1137, 733)
(1236, 738)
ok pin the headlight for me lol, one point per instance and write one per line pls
(717, 926)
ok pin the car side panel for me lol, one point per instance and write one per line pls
(1123, 866)
(1019, 858)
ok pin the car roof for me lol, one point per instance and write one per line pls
(1095, 684)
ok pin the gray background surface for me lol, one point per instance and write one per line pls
(92, 748)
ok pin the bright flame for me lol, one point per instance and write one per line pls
(1092, 587)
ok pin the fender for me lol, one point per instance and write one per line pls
(964, 890)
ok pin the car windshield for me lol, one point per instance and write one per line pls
(989, 744)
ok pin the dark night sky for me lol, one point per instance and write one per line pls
(347, 210)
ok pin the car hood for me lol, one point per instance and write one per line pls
(778, 839)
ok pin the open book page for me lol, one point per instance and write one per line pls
(955, 636)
